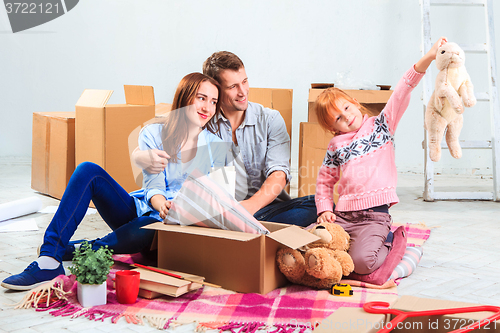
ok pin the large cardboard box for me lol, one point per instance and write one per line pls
(53, 152)
(440, 324)
(102, 130)
(373, 100)
(277, 99)
(312, 149)
(237, 261)
(358, 321)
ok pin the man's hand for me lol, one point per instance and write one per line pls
(269, 190)
(250, 205)
(153, 161)
(326, 216)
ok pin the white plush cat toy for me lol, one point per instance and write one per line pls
(453, 90)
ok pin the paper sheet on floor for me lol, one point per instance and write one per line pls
(18, 225)
(53, 209)
(16, 208)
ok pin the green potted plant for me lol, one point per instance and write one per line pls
(91, 269)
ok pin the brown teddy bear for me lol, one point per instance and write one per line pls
(452, 91)
(324, 261)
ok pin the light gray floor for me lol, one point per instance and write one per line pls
(461, 259)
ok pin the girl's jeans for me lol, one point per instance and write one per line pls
(114, 204)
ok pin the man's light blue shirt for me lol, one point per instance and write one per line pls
(263, 147)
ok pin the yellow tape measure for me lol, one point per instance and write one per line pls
(341, 289)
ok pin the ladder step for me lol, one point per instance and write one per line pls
(475, 48)
(463, 196)
(471, 144)
(483, 96)
(457, 2)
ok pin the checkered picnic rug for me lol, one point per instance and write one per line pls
(214, 308)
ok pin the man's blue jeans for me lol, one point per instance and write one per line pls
(299, 211)
(115, 205)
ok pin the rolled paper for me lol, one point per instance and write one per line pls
(20, 207)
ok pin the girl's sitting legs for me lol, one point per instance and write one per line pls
(368, 231)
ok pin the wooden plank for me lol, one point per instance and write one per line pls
(463, 195)
(427, 92)
(494, 103)
(458, 2)
(483, 96)
(475, 48)
(486, 144)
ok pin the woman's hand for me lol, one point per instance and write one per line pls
(152, 161)
(165, 208)
(160, 204)
(326, 216)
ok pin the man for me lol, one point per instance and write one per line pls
(260, 147)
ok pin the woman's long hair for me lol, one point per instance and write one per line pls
(175, 130)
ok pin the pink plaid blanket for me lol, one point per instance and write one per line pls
(213, 308)
(290, 307)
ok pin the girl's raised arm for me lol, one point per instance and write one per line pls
(422, 65)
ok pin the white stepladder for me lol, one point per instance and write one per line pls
(491, 96)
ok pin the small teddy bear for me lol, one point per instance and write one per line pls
(453, 89)
(324, 261)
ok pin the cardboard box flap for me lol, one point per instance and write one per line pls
(202, 231)
(293, 237)
(162, 109)
(411, 303)
(139, 95)
(58, 115)
(94, 98)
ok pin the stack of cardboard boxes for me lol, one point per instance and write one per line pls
(97, 132)
(314, 140)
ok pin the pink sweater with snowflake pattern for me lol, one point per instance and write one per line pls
(364, 160)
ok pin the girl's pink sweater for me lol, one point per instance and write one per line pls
(364, 160)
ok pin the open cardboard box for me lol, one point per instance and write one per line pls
(373, 100)
(102, 130)
(53, 152)
(237, 261)
(358, 321)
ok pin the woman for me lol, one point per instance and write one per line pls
(188, 145)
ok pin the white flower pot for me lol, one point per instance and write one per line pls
(91, 294)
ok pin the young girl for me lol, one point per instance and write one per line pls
(187, 144)
(361, 156)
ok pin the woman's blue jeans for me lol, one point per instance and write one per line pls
(114, 204)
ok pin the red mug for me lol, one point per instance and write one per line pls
(127, 286)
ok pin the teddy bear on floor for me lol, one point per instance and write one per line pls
(324, 261)
(453, 89)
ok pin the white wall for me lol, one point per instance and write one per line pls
(103, 44)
